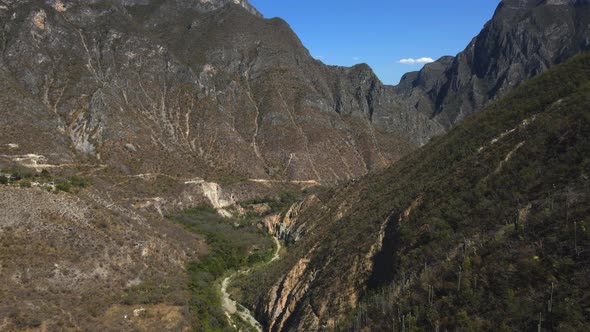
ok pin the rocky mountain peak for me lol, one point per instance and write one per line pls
(199, 5)
(524, 4)
(210, 62)
(523, 39)
(216, 4)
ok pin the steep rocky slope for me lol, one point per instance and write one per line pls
(523, 39)
(166, 105)
(191, 90)
(210, 87)
(484, 228)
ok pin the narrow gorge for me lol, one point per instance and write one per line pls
(190, 165)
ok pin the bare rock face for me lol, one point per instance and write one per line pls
(210, 87)
(197, 87)
(285, 295)
(287, 226)
(523, 39)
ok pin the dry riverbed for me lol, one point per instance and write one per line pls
(230, 306)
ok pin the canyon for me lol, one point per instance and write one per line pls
(119, 116)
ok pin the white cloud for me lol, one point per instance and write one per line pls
(411, 61)
(356, 58)
(319, 57)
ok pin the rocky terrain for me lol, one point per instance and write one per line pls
(148, 86)
(202, 88)
(485, 228)
(83, 263)
(153, 107)
(523, 39)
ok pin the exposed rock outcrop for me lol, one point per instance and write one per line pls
(285, 295)
(523, 39)
(194, 87)
(210, 87)
(286, 226)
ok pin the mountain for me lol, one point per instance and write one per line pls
(192, 87)
(484, 228)
(211, 87)
(116, 115)
(523, 39)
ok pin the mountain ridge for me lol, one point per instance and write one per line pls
(523, 39)
(450, 220)
(192, 55)
(125, 112)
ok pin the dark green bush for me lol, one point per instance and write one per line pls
(79, 182)
(25, 184)
(64, 186)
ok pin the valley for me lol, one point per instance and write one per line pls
(231, 306)
(188, 165)
(455, 236)
(238, 246)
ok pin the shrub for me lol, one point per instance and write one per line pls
(3, 179)
(65, 187)
(150, 292)
(16, 176)
(25, 184)
(78, 182)
(230, 248)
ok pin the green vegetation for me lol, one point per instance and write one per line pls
(25, 184)
(284, 199)
(241, 325)
(45, 174)
(79, 182)
(22, 178)
(20, 174)
(231, 248)
(26, 179)
(499, 236)
(149, 292)
(63, 186)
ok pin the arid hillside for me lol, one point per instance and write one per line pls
(484, 228)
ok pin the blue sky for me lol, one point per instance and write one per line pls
(382, 32)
